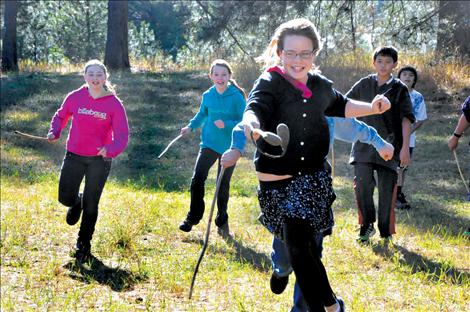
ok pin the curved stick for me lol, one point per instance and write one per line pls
(170, 144)
(30, 136)
(206, 240)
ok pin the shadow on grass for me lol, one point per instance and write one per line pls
(257, 260)
(243, 254)
(434, 271)
(94, 269)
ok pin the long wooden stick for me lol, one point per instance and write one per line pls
(30, 136)
(460, 171)
(206, 240)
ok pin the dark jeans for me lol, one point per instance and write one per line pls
(95, 169)
(364, 184)
(305, 257)
(204, 162)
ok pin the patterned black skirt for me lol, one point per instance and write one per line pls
(308, 197)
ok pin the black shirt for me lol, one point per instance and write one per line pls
(274, 100)
(389, 124)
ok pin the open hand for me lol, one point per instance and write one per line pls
(230, 158)
(386, 152)
(380, 104)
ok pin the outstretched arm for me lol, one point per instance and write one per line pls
(352, 130)
(379, 105)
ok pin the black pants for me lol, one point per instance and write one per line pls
(204, 162)
(95, 169)
(364, 184)
(305, 257)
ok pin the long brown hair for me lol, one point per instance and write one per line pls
(300, 27)
(224, 63)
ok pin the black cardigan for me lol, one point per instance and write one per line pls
(274, 100)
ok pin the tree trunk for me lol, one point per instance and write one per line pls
(454, 32)
(117, 54)
(88, 52)
(9, 52)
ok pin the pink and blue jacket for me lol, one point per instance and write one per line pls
(95, 123)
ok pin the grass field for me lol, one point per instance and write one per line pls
(146, 263)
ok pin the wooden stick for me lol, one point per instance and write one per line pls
(170, 144)
(206, 240)
(30, 136)
(460, 171)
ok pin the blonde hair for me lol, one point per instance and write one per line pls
(299, 27)
(224, 63)
(107, 85)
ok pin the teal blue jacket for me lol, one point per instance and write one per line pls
(228, 107)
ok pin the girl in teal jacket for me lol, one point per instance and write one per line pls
(222, 107)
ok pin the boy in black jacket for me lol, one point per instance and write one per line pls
(395, 126)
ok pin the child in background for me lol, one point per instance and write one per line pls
(221, 109)
(395, 126)
(409, 76)
(295, 191)
(99, 132)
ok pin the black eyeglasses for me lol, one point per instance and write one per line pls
(304, 55)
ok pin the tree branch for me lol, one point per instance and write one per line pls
(227, 29)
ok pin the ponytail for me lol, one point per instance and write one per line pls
(235, 84)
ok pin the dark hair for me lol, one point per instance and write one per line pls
(300, 27)
(224, 63)
(410, 69)
(387, 51)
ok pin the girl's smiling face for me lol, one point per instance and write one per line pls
(297, 56)
(95, 77)
(220, 77)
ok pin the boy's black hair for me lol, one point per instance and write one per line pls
(410, 69)
(387, 51)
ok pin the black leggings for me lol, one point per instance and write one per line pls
(95, 170)
(308, 267)
(204, 162)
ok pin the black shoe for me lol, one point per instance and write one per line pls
(83, 251)
(367, 231)
(341, 304)
(278, 283)
(186, 225)
(401, 202)
(74, 212)
(223, 230)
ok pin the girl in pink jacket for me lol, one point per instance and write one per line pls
(98, 133)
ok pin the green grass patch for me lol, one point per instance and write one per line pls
(146, 263)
